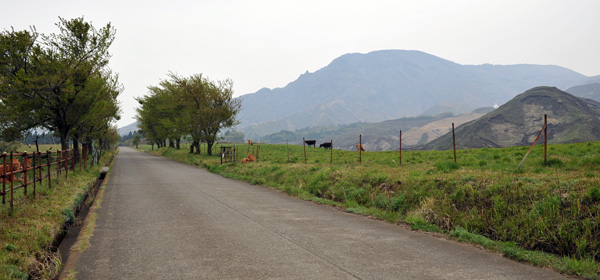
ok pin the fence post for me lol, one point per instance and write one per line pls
(40, 167)
(359, 150)
(400, 156)
(4, 178)
(453, 143)
(58, 154)
(33, 165)
(304, 144)
(25, 166)
(545, 135)
(12, 181)
(48, 162)
(331, 148)
(535, 141)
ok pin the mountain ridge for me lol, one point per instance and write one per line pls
(389, 84)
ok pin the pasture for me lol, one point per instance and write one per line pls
(545, 213)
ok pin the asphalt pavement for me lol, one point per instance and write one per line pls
(161, 219)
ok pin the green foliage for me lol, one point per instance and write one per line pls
(62, 83)
(193, 106)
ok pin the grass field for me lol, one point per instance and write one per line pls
(546, 213)
(27, 232)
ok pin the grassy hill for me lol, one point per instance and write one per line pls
(518, 122)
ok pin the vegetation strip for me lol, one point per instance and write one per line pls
(28, 232)
(545, 214)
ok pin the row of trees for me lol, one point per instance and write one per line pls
(60, 83)
(187, 106)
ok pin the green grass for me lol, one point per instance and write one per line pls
(27, 232)
(551, 208)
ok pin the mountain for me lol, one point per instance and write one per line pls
(128, 128)
(591, 91)
(519, 121)
(390, 84)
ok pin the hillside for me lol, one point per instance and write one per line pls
(590, 91)
(128, 128)
(380, 136)
(518, 122)
(390, 84)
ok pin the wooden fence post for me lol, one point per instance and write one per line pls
(304, 143)
(359, 150)
(4, 178)
(58, 163)
(530, 148)
(331, 149)
(12, 182)
(25, 168)
(545, 135)
(400, 157)
(453, 143)
(40, 167)
(33, 163)
(48, 162)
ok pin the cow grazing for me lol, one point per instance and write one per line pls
(326, 145)
(311, 142)
(359, 147)
(250, 142)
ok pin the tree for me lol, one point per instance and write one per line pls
(195, 105)
(59, 83)
(209, 107)
(136, 141)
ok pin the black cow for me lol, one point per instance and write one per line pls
(311, 142)
(326, 145)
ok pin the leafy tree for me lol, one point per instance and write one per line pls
(195, 106)
(61, 84)
(210, 107)
(136, 141)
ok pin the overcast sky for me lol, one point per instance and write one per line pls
(262, 43)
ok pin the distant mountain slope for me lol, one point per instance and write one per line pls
(128, 128)
(389, 84)
(380, 136)
(519, 121)
(591, 91)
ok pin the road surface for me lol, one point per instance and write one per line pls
(165, 220)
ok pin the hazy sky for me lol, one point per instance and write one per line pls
(262, 43)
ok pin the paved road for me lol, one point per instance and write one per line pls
(165, 220)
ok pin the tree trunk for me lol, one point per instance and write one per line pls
(177, 143)
(64, 140)
(209, 145)
(76, 149)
